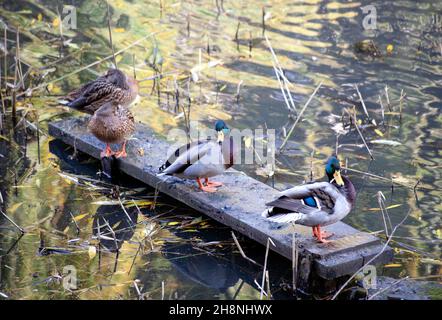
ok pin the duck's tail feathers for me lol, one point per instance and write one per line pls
(266, 213)
(78, 103)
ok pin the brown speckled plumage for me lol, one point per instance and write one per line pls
(112, 123)
(113, 86)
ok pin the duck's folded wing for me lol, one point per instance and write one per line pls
(93, 95)
(185, 156)
(292, 205)
(323, 194)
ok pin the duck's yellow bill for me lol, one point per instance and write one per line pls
(338, 178)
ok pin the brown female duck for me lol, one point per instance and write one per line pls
(113, 86)
(112, 123)
(107, 98)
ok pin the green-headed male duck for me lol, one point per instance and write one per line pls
(202, 159)
(315, 204)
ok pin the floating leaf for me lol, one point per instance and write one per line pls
(92, 252)
(173, 223)
(40, 17)
(393, 265)
(389, 207)
(379, 132)
(387, 142)
(56, 22)
(119, 30)
(80, 217)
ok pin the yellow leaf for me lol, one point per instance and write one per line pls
(393, 206)
(119, 30)
(389, 207)
(379, 132)
(40, 17)
(56, 22)
(359, 121)
(14, 208)
(174, 223)
(81, 216)
(92, 252)
(393, 265)
(390, 48)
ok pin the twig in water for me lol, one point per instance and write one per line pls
(250, 44)
(362, 101)
(388, 97)
(299, 117)
(135, 257)
(140, 296)
(280, 75)
(127, 214)
(265, 265)
(110, 33)
(263, 21)
(373, 258)
(359, 131)
(38, 136)
(188, 25)
(238, 88)
(75, 222)
(6, 55)
(385, 216)
(401, 98)
(382, 109)
(242, 252)
(11, 221)
(236, 35)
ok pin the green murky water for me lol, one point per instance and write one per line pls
(173, 252)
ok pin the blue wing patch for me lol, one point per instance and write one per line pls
(310, 201)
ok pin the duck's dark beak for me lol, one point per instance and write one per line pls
(338, 178)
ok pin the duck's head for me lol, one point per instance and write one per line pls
(333, 170)
(117, 77)
(222, 129)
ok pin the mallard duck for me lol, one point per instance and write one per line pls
(107, 98)
(202, 159)
(315, 204)
(367, 47)
(113, 86)
(112, 123)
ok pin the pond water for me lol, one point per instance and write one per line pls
(173, 252)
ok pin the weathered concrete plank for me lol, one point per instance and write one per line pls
(238, 204)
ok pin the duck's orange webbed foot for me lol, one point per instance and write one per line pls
(205, 188)
(107, 152)
(122, 153)
(321, 235)
(213, 183)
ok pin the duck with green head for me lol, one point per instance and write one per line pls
(315, 204)
(202, 159)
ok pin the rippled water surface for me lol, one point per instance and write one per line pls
(174, 252)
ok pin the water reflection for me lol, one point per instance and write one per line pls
(314, 42)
